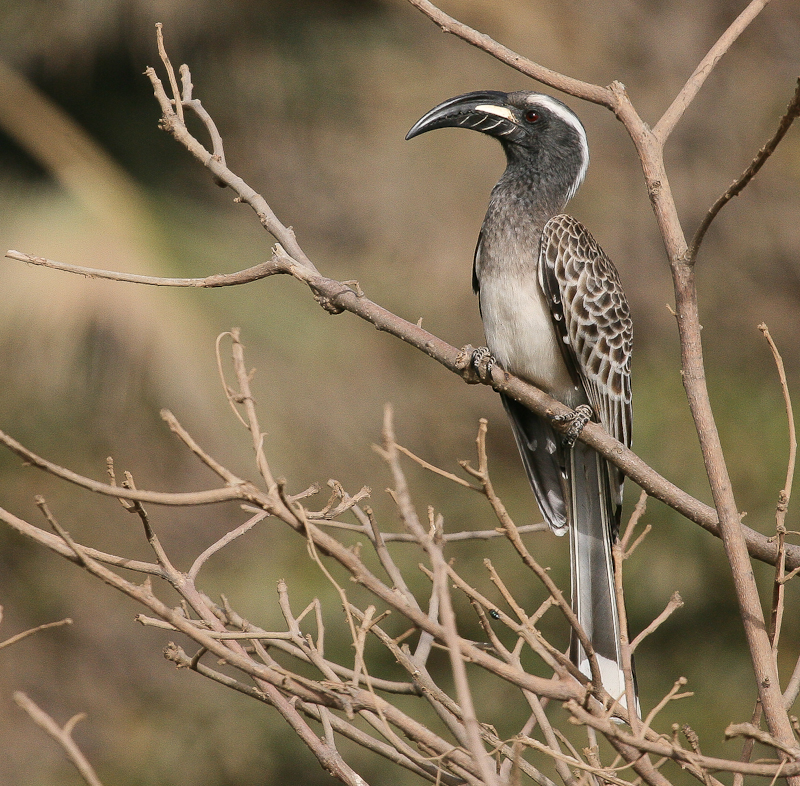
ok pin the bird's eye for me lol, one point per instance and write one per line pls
(531, 116)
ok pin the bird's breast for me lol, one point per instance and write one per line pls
(520, 333)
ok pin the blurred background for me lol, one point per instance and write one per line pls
(313, 99)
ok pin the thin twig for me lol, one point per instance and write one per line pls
(458, 667)
(246, 399)
(792, 112)
(602, 773)
(552, 748)
(20, 636)
(786, 492)
(748, 730)
(224, 541)
(574, 87)
(626, 650)
(394, 573)
(792, 687)
(171, 573)
(189, 101)
(687, 94)
(672, 695)
(63, 736)
(186, 498)
(638, 511)
(436, 470)
(257, 272)
(481, 534)
(191, 443)
(173, 82)
(700, 762)
(675, 602)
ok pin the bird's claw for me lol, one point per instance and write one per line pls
(577, 419)
(476, 365)
(483, 362)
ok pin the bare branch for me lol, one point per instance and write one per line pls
(786, 492)
(54, 543)
(173, 82)
(386, 560)
(437, 470)
(670, 119)
(626, 649)
(20, 636)
(700, 762)
(478, 534)
(215, 163)
(190, 102)
(672, 695)
(340, 296)
(738, 185)
(156, 497)
(792, 687)
(675, 602)
(63, 736)
(636, 515)
(748, 730)
(245, 398)
(224, 541)
(472, 728)
(272, 267)
(574, 87)
(188, 440)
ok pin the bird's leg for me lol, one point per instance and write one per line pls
(577, 419)
(476, 364)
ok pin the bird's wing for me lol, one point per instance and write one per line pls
(592, 318)
(476, 284)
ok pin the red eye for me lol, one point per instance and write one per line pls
(531, 116)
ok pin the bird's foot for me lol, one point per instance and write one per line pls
(476, 365)
(577, 419)
(483, 362)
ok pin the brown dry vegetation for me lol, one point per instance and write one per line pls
(313, 100)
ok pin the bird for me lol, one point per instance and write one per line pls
(555, 315)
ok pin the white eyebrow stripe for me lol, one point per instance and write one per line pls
(500, 111)
(557, 108)
(569, 117)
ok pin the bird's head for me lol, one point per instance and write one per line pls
(540, 135)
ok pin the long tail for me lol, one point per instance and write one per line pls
(573, 489)
(593, 529)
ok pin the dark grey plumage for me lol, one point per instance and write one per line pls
(554, 314)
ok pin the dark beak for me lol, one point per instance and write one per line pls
(487, 111)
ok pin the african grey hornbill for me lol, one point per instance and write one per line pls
(555, 315)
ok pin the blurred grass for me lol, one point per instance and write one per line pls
(313, 100)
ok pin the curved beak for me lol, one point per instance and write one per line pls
(487, 111)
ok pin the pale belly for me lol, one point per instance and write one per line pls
(520, 335)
